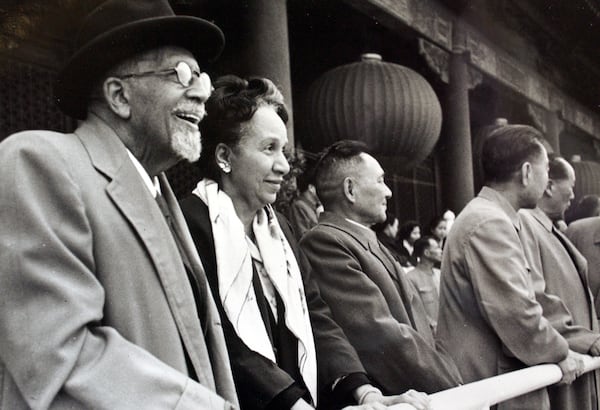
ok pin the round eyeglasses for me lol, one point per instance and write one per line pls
(185, 75)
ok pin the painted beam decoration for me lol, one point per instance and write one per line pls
(437, 25)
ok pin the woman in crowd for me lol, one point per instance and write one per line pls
(438, 229)
(408, 234)
(275, 323)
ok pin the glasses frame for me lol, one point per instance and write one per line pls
(172, 70)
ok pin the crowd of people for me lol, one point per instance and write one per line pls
(115, 295)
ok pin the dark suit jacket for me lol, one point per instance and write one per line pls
(585, 234)
(259, 381)
(376, 307)
(96, 307)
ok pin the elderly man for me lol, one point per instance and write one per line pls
(97, 308)
(489, 319)
(585, 235)
(560, 280)
(363, 284)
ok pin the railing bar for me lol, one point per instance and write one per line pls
(482, 394)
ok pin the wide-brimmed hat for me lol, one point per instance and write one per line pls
(118, 29)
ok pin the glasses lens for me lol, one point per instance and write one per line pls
(205, 82)
(184, 73)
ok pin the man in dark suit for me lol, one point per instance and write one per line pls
(560, 281)
(97, 308)
(585, 235)
(363, 284)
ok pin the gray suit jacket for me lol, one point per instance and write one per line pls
(489, 320)
(559, 274)
(585, 235)
(377, 307)
(96, 307)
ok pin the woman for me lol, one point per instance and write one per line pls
(408, 234)
(438, 229)
(274, 321)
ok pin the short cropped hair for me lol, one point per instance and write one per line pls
(421, 245)
(231, 105)
(335, 163)
(507, 148)
(558, 168)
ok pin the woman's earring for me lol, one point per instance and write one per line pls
(225, 167)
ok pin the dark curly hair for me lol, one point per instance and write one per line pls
(231, 105)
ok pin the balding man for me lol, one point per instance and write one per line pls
(365, 287)
(561, 284)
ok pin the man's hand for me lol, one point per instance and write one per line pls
(595, 349)
(418, 400)
(571, 366)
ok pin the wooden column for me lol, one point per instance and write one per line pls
(456, 167)
(265, 49)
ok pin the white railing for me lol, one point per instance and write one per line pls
(482, 394)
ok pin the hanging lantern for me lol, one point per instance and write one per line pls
(391, 108)
(587, 177)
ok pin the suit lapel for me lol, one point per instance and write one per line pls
(381, 253)
(371, 244)
(578, 259)
(109, 156)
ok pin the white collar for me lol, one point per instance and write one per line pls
(152, 183)
(358, 223)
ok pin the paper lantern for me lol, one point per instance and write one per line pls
(391, 108)
(587, 178)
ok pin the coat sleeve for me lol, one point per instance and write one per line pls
(393, 353)
(52, 342)
(503, 289)
(336, 358)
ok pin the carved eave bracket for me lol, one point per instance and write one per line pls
(438, 60)
(539, 115)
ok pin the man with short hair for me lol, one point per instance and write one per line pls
(425, 277)
(363, 284)
(104, 300)
(489, 319)
(560, 280)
